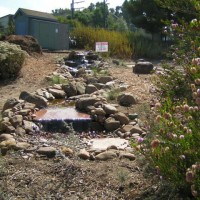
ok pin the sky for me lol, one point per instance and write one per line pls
(11, 6)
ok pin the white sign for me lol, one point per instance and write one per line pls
(101, 47)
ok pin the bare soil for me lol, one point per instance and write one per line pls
(25, 176)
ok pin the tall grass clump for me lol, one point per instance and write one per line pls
(144, 46)
(11, 60)
(173, 144)
(119, 45)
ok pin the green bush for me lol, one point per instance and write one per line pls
(144, 47)
(57, 79)
(11, 60)
(174, 139)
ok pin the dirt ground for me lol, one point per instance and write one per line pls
(28, 176)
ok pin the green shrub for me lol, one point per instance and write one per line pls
(113, 94)
(11, 60)
(173, 145)
(144, 46)
(57, 79)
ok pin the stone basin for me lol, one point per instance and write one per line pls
(53, 119)
(60, 114)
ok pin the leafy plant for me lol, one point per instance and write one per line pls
(113, 94)
(173, 145)
(57, 79)
(11, 60)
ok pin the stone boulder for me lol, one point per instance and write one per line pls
(127, 155)
(7, 127)
(107, 155)
(83, 154)
(21, 146)
(111, 124)
(30, 127)
(126, 99)
(33, 98)
(57, 93)
(70, 89)
(84, 102)
(47, 151)
(16, 120)
(121, 117)
(10, 103)
(80, 87)
(109, 109)
(90, 89)
(5, 136)
(105, 79)
(143, 67)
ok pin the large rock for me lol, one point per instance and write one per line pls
(90, 89)
(132, 129)
(8, 113)
(44, 93)
(33, 98)
(21, 146)
(98, 111)
(47, 151)
(10, 103)
(80, 87)
(127, 155)
(7, 127)
(84, 102)
(70, 89)
(121, 117)
(26, 42)
(83, 154)
(58, 94)
(143, 67)
(107, 155)
(126, 99)
(111, 124)
(30, 127)
(5, 136)
(16, 120)
(109, 109)
(105, 79)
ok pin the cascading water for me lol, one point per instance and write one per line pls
(58, 119)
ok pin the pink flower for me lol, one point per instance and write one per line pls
(181, 136)
(155, 143)
(190, 176)
(140, 140)
(174, 25)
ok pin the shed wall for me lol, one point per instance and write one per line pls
(21, 25)
(50, 35)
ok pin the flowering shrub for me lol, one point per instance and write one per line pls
(11, 60)
(173, 144)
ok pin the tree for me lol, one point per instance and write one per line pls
(145, 14)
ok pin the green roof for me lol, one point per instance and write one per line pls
(37, 14)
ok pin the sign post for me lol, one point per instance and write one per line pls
(101, 47)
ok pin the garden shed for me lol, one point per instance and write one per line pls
(44, 27)
(5, 21)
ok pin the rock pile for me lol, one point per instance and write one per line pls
(89, 92)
